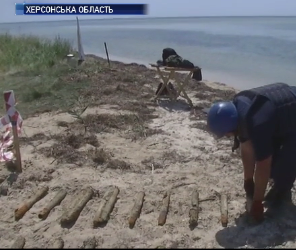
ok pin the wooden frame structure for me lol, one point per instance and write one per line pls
(180, 85)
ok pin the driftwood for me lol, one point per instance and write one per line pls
(164, 209)
(224, 210)
(97, 218)
(90, 243)
(193, 212)
(57, 244)
(20, 212)
(136, 210)
(73, 213)
(19, 243)
(54, 202)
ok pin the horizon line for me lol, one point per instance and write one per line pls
(147, 17)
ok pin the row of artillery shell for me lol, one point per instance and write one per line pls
(107, 204)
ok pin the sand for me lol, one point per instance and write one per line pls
(182, 158)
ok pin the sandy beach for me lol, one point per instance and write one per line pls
(125, 140)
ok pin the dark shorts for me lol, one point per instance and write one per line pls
(283, 170)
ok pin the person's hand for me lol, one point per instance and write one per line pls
(257, 211)
(249, 187)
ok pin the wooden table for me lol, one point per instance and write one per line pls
(180, 85)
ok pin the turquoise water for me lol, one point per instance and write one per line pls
(239, 51)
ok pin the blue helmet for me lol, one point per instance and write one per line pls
(222, 118)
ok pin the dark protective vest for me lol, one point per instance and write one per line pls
(284, 99)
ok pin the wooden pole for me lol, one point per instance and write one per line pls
(106, 49)
(11, 112)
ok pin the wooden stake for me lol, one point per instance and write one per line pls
(19, 243)
(20, 212)
(193, 212)
(9, 95)
(58, 244)
(106, 49)
(164, 209)
(54, 202)
(73, 213)
(224, 210)
(136, 210)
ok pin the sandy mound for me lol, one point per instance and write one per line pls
(108, 146)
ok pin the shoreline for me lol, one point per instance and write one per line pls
(215, 83)
(218, 77)
(98, 128)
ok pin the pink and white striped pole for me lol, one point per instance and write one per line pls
(16, 123)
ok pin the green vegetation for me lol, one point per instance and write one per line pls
(31, 53)
(42, 79)
(37, 71)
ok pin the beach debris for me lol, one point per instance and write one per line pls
(224, 210)
(19, 243)
(106, 207)
(79, 203)
(90, 243)
(26, 206)
(194, 210)
(164, 209)
(54, 202)
(58, 243)
(136, 210)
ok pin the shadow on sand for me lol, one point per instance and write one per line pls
(178, 105)
(278, 228)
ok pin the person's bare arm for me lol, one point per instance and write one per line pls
(248, 159)
(262, 174)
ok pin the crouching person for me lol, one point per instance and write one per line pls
(263, 120)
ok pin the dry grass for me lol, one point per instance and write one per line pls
(134, 125)
(71, 148)
(205, 92)
(127, 86)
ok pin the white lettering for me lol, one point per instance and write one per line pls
(80, 9)
(37, 8)
(97, 9)
(55, 9)
(86, 10)
(70, 9)
(102, 9)
(91, 9)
